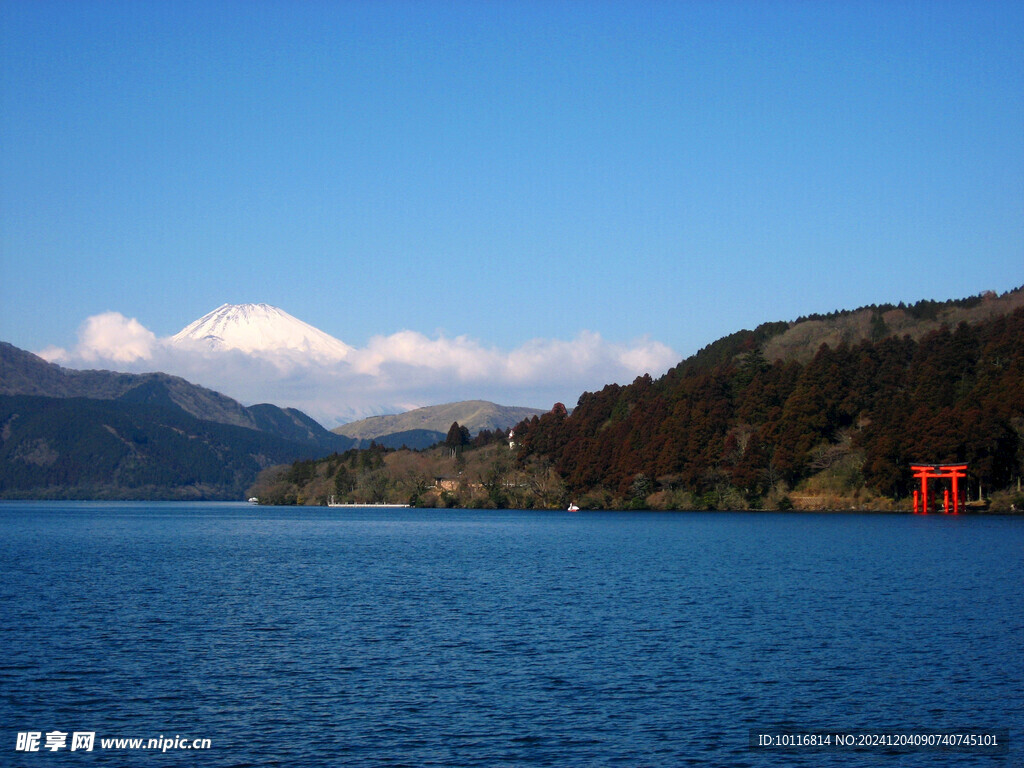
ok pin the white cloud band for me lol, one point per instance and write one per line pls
(392, 373)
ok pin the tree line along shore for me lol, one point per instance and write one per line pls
(730, 429)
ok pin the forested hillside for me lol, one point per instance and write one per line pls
(743, 425)
(742, 431)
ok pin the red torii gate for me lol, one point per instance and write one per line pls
(926, 472)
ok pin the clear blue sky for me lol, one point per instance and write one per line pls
(505, 170)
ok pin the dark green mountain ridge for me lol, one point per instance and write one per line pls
(102, 434)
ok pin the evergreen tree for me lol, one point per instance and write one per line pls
(457, 439)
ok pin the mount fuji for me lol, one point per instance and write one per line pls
(258, 329)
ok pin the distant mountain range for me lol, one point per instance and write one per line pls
(423, 427)
(101, 434)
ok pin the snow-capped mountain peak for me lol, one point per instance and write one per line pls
(256, 329)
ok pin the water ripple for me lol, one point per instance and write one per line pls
(438, 638)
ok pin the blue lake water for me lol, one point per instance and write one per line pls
(362, 637)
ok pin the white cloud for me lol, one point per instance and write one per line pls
(55, 354)
(392, 373)
(461, 356)
(587, 356)
(108, 336)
